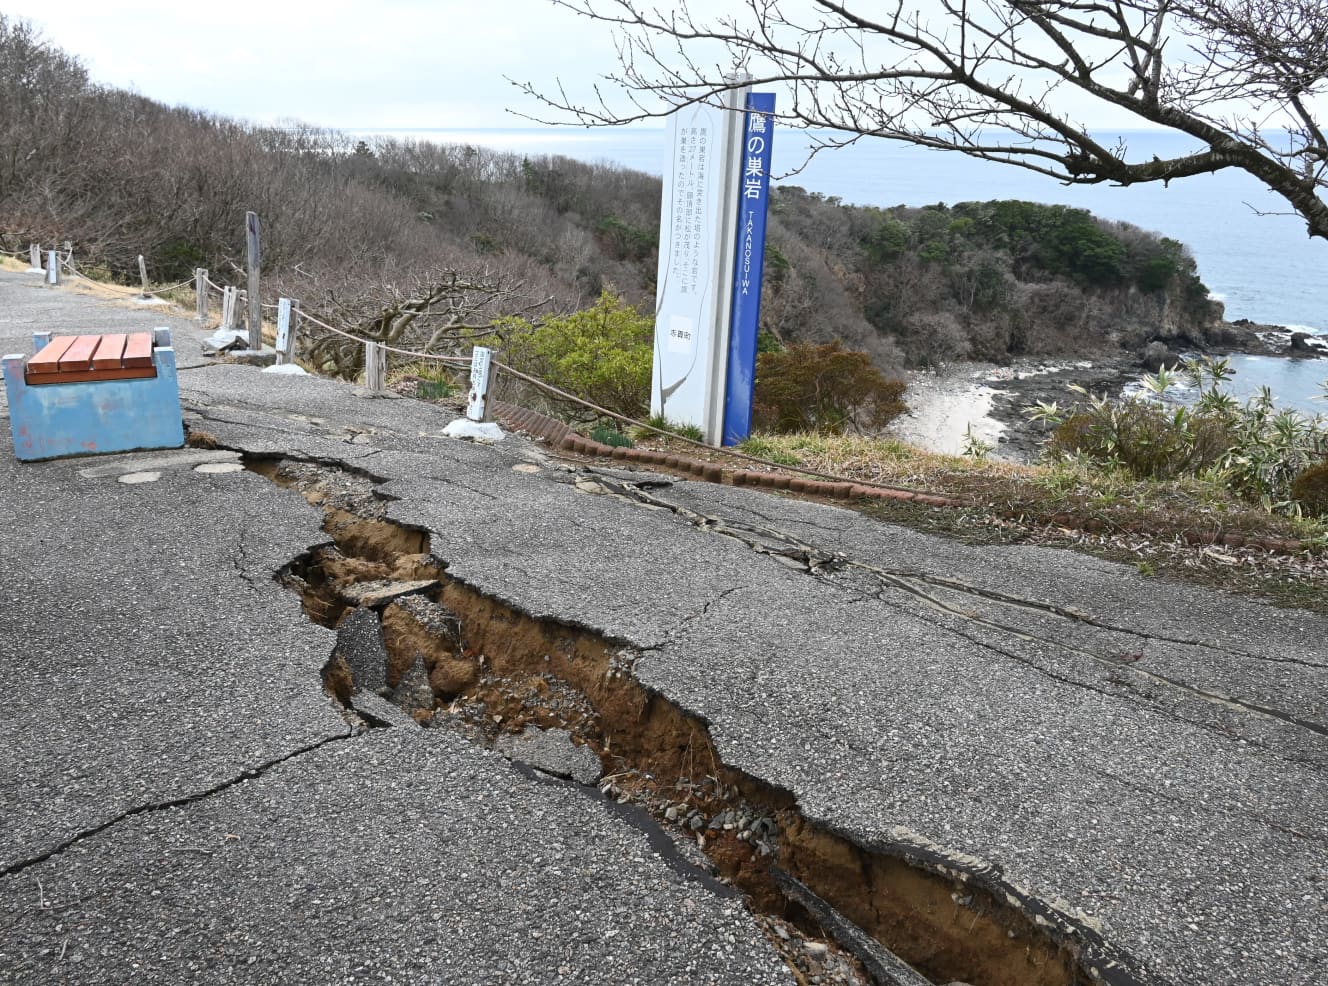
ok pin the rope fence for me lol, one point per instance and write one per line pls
(234, 298)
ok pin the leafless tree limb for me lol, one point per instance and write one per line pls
(1000, 80)
(439, 312)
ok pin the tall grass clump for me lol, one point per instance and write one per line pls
(1252, 449)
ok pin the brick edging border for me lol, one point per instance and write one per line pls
(560, 435)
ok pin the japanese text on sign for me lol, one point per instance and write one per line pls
(689, 189)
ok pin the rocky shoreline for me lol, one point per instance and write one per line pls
(1020, 388)
(993, 400)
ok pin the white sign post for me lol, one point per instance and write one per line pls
(696, 248)
(480, 358)
(285, 339)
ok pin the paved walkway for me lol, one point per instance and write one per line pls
(1133, 766)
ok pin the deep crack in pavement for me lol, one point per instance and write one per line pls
(466, 664)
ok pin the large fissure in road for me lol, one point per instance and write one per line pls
(417, 645)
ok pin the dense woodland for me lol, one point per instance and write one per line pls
(450, 237)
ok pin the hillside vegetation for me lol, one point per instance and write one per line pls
(408, 240)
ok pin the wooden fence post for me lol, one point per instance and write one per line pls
(143, 276)
(375, 366)
(229, 297)
(201, 294)
(294, 330)
(255, 301)
(52, 267)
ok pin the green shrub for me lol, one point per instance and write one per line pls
(1147, 439)
(433, 390)
(1310, 489)
(1252, 449)
(822, 388)
(602, 354)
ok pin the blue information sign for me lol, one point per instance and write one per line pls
(753, 197)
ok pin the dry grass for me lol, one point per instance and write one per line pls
(1147, 523)
(1116, 500)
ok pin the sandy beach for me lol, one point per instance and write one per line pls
(991, 400)
(944, 404)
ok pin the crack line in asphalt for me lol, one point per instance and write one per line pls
(241, 557)
(1092, 621)
(709, 522)
(1041, 669)
(1172, 799)
(1218, 698)
(816, 560)
(248, 774)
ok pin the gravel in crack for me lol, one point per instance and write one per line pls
(334, 489)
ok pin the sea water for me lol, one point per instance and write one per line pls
(1253, 255)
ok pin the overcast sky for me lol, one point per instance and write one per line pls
(350, 64)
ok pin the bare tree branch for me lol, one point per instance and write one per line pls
(1000, 80)
(439, 312)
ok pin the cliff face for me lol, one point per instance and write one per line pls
(1131, 318)
(997, 280)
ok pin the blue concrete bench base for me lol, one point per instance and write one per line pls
(52, 420)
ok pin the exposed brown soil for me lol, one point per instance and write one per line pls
(492, 669)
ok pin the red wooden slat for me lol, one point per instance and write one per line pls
(109, 353)
(79, 355)
(92, 376)
(138, 349)
(48, 359)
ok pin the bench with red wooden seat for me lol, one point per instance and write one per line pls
(81, 394)
(79, 359)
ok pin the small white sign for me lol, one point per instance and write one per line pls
(480, 358)
(682, 334)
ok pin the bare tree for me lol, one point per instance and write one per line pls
(1002, 80)
(442, 311)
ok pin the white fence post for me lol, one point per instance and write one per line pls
(285, 331)
(477, 401)
(52, 267)
(143, 275)
(201, 294)
(375, 366)
(34, 257)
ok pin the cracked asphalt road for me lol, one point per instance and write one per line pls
(1140, 760)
